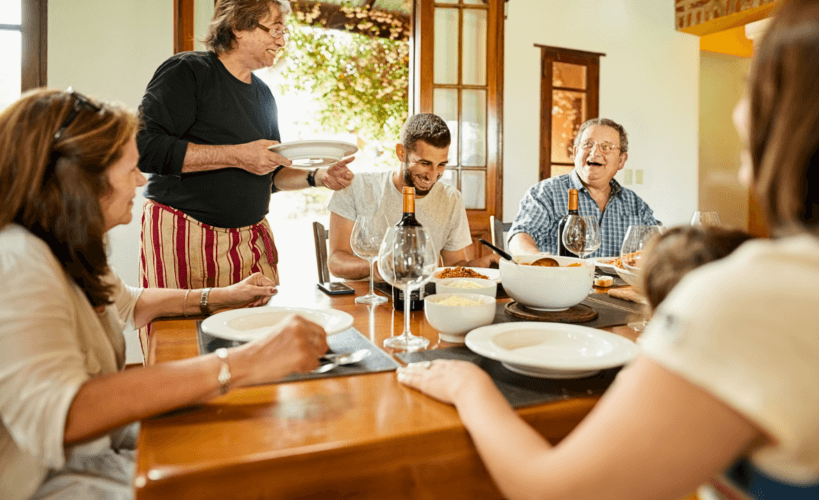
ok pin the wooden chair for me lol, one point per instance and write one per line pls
(320, 236)
(499, 230)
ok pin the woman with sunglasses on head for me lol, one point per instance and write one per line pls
(727, 379)
(68, 174)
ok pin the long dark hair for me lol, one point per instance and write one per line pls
(784, 115)
(52, 187)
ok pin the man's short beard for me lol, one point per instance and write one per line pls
(409, 181)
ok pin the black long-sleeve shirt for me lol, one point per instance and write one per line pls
(193, 98)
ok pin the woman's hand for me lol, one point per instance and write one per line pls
(293, 345)
(442, 379)
(253, 291)
(337, 176)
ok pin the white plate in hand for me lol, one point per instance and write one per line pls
(492, 274)
(245, 325)
(312, 154)
(551, 350)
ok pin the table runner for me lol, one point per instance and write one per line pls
(348, 340)
(520, 390)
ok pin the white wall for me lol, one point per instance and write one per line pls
(649, 82)
(110, 49)
(722, 83)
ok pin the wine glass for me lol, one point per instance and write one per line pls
(581, 235)
(631, 254)
(705, 219)
(407, 259)
(365, 240)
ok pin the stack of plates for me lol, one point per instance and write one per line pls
(551, 350)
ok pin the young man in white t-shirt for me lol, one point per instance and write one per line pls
(423, 152)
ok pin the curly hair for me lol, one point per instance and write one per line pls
(238, 15)
(52, 187)
(673, 254)
(426, 127)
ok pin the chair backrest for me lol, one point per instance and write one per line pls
(320, 236)
(499, 230)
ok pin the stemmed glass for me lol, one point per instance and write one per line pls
(631, 254)
(407, 259)
(365, 240)
(581, 235)
(705, 219)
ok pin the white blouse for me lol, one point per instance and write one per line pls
(746, 329)
(51, 342)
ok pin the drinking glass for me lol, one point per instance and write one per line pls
(581, 235)
(365, 240)
(705, 219)
(407, 259)
(631, 254)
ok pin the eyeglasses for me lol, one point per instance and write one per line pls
(605, 147)
(79, 101)
(274, 32)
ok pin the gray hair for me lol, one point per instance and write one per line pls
(605, 122)
(239, 15)
(426, 127)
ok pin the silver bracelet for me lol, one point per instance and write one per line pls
(203, 300)
(224, 370)
(185, 304)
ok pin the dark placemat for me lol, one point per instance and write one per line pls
(611, 311)
(520, 390)
(348, 340)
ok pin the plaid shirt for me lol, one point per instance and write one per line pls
(547, 202)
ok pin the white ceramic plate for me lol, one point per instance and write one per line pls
(492, 274)
(606, 264)
(249, 324)
(312, 154)
(551, 350)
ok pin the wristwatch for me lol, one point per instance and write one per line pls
(311, 178)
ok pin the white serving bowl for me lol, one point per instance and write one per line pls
(454, 322)
(628, 276)
(450, 285)
(547, 288)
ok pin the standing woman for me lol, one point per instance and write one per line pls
(727, 381)
(68, 174)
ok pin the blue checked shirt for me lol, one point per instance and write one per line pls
(547, 202)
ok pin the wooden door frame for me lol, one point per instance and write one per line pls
(34, 49)
(421, 100)
(548, 55)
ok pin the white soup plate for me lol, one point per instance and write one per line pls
(245, 325)
(312, 154)
(551, 350)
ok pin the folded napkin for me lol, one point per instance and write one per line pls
(628, 294)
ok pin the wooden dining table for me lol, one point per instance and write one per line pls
(361, 436)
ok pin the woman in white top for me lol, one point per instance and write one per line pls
(730, 363)
(68, 174)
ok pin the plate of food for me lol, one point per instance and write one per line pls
(551, 350)
(245, 325)
(467, 272)
(607, 264)
(312, 154)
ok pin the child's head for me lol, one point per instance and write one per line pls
(679, 250)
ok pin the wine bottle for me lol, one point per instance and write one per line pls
(561, 248)
(408, 220)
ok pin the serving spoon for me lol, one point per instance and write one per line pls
(498, 250)
(543, 261)
(344, 358)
